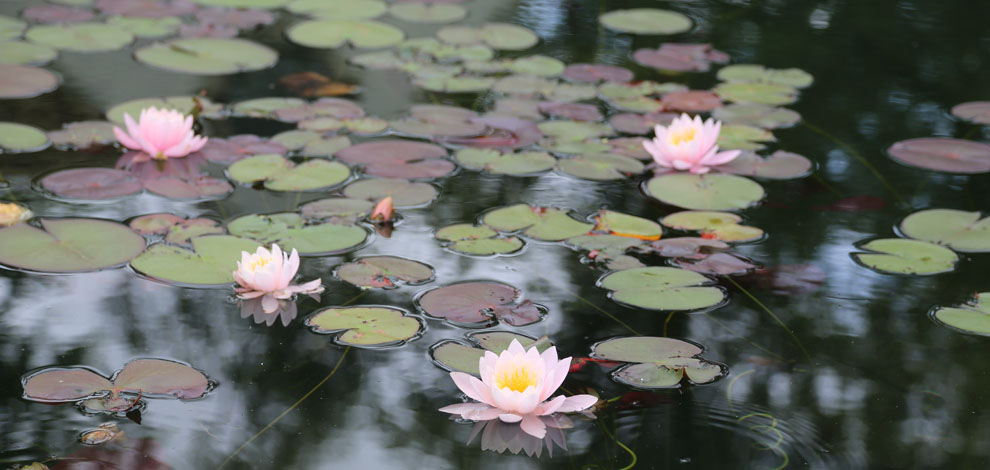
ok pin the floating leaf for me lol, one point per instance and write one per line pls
(81, 37)
(662, 288)
(404, 193)
(311, 144)
(959, 230)
(151, 378)
(439, 120)
(705, 192)
(640, 124)
(541, 223)
(612, 90)
(718, 225)
(91, 183)
(506, 133)
(477, 240)
(692, 101)
(687, 247)
(572, 111)
(331, 34)
(20, 138)
(182, 104)
(658, 362)
(425, 12)
(280, 174)
(479, 304)
(973, 111)
(743, 137)
(399, 159)
(680, 57)
(290, 231)
(175, 229)
(238, 147)
(20, 81)
(645, 21)
(594, 73)
(900, 256)
(336, 10)
(719, 264)
(626, 225)
(502, 36)
(600, 167)
(384, 272)
(83, 134)
(573, 130)
(207, 56)
(512, 163)
(537, 65)
(458, 84)
(243, 3)
(210, 263)
(599, 242)
(456, 356)
(337, 208)
(779, 165)
(11, 28)
(26, 53)
(758, 93)
(68, 245)
(972, 317)
(943, 154)
(152, 28)
(754, 114)
(366, 326)
(749, 73)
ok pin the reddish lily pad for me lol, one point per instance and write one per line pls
(404, 193)
(68, 245)
(595, 73)
(687, 247)
(780, 165)
(477, 304)
(21, 81)
(439, 120)
(384, 272)
(399, 159)
(943, 154)
(175, 229)
(91, 183)
(150, 378)
(367, 326)
(640, 124)
(692, 101)
(505, 132)
(57, 14)
(658, 362)
(719, 264)
(973, 111)
(680, 57)
(541, 223)
(238, 147)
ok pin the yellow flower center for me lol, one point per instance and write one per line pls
(682, 135)
(258, 263)
(518, 379)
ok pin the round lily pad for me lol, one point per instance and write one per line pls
(210, 263)
(26, 53)
(207, 56)
(758, 93)
(243, 3)
(600, 167)
(692, 101)
(646, 21)
(457, 356)
(91, 183)
(477, 240)
(600, 242)
(20, 138)
(83, 134)
(11, 28)
(290, 231)
(662, 288)
(384, 272)
(680, 57)
(973, 111)
(538, 65)
(81, 37)
(751, 73)
(780, 165)
(399, 159)
(152, 28)
(900, 256)
(626, 225)
(367, 326)
(594, 73)
(21, 81)
(718, 225)
(658, 362)
(943, 154)
(541, 223)
(640, 124)
(152, 378)
(687, 247)
(338, 10)
(175, 229)
(972, 317)
(718, 264)
(182, 104)
(563, 130)
(502, 36)
(959, 230)
(338, 208)
(426, 12)
(705, 192)
(743, 137)
(331, 34)
(477, 304)
(759, 115)
(68, 245)
(512, 163)
(280, 174)
(404, 193)
(458, 84)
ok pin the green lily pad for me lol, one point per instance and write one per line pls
(20, 138)
(619, 90)
(582, 168)
(289, 230)
(626, 225)
(81, 37)
(722, 226)
(541, 223)
(662, 288)
(210, 263)
(337, 208)
(331, 34)
(370, 326)
(759, 115)
(182, 104)
(658, 362)
(312, 144)
(572, 131)
(502, 36)
(362, 125)
(646, 21)
(959, 230)
(280, 174)
(21, 81)
(266, 4)
(207, 56)
(512, 163)
(175, 229)
(417, 12)
(600, 166)
(538, 65)
(457, 356)
(384, 272)
(750, 73)
(780, 165)
(151, 28)
(26, 53)
(339, 10)
(458, 84)
(83, 134)
(758, 93)
(705, 192)
(637, 104)
(477, 240)
(68, 245)
(972, 317)
(11, 28)
(743, 137)
(900, 256)
(404, 193)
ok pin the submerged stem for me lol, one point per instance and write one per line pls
(772, 315)
(623, 446)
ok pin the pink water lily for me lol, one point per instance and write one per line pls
(515, 386)
(269, 275)
(160, 133)
(688, 144)
(383, 211)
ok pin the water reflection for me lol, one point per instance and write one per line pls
(286, 311)
(498, 436)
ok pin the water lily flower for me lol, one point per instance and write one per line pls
(689, 144)
(269, 275)
(160, 133)
(11, 214)
(515, 387)
(384, 211)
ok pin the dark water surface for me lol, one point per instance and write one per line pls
(880, 386)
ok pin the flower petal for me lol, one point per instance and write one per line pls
(533, 426)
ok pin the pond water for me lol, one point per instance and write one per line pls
(830, 364)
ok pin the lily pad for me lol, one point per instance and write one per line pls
(439, 120)
(404, 193)
(280, 174)
(662, 288)
(91, 183)
(687, 247)
(182, 104)
(511, 163)
(425, 12)
(68, 245)
(646, 21)
(694, 101)
(600, 167)
(743, 137)
(458, 84)
(337, 208)
(238, 147)
(502, 36)
(152, 28)
(972, 317)
(384, 272)
(943, 154)
(626, 225)
(243, 3)
(658, 362)
(457, 356)
(210, 263)
(750, 73)
(312, 144)
(11, 28)
(705, 192)
(603, 242)
(680, 57)
(713, 225)
(718, 264)
(399, 159)
(26, 53)
(595, 73)
(151, 378)
(331, 34)
(477, 240)
(477, 304)
(339, 10)
(640, 124)
(571, 131)
(614, 90)
(290, 231)
(959, 230)
(900, 256)
(538, 65)
(758, 93)
(367, 326)
(759, 115)
(571, 111)
(780, 165)
(974, 111)
(20, 138)
(21, 81)
(175, 229)
(82, 135)
(541, 223)
(207, 56)
(81, 37)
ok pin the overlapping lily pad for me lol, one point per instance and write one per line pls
(427, 12)
(600, 166)
(92, 183)
(26, 53)
(439, 120)
(640, 124)
(759, 115)
(367, 326)
(751, 73)
(687, 247)
(464, 357)
(207, 56)
(337, 10)
(243, 3)
(290, 231)
(183, 104)
(718, 225)
(594, 73)
(943, 154)
(312, 144)
(692, 101)
(756, 93)
(477, 240)
(705, 192)
(973, 111)
(477, 304)
(210, 263)
(81, 37)
(68, 245)
(780, 165)
(510, 163)
(337, 208)
(541, 223)
(175, 229)
(336, 33)
(662, 288)
(658, 362)
(719, 264)
(404, 193)
(21, 81)
(280, 174)
(384, 272)
(152, 28)
(83, 134)
(21, 138)
(399, 159)
(972, 317)
(502, 36)
(900, 256)
(646, 21)
(626, 225)
(743, 137)
(959, 230)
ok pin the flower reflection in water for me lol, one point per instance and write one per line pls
(286, 311)
(499, 436)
